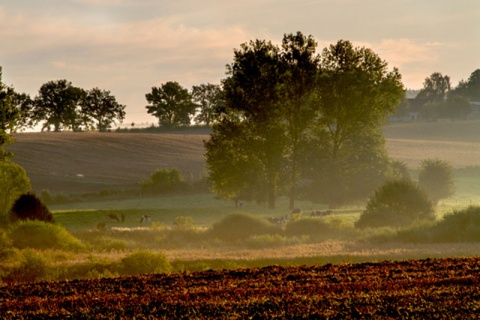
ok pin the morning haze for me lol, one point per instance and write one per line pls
(255, 159)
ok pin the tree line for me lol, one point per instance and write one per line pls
(438, 99)
(286, 120)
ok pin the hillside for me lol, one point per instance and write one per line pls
(89, 162)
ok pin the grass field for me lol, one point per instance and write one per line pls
(76, 163)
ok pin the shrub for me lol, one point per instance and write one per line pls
(29, 207)
(163, 181)
(459, 226)
(184, 223)
(5, 242)
(41, 235)
(32, 267)
(142, 262)
(436, 178)
(13, 182)
(107, 243)
(396, 203)
(241, 226)
(46, 196)
(311, 227)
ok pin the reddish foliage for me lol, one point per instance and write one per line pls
(425, 289)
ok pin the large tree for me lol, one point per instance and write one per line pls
(355, 94)
(171, 104)
(209, 100)
(57, 106)
(250, 135)
(300, 69)
(102, 107)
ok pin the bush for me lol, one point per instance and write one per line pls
(311, 227)
(241, 226)
(436, 178)
(29, 207)
(459, 226)
(183, 223)
(396, 204)
(13, 182)
(41, 235)
(163, 181)
(142, 262)
(32, 267)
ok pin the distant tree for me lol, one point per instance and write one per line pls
(399, 170)
(102, 107)
(57, 105)
(436, 178)
(435, 88)
(171, 104)
(457, 107)
(396, 204)
(209, 99)
(13, 182)
(29, 207)
(471, 88)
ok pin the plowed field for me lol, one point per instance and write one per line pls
(425, 289)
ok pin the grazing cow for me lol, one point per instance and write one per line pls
(114, 217)
(145, 218)
(280, 220)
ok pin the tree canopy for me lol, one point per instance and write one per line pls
(283, 102)
(57, 105)
(209, 100)
(100, 108)
(171, 104)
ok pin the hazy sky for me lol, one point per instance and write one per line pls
(129, 46)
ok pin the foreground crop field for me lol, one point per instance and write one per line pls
(425, 289)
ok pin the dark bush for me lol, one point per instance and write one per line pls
(241, 226)
(29, 207)
(396, 204)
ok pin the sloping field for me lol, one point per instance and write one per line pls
(426, 289)
(89, 162)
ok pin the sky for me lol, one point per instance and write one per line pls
(129, 46)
